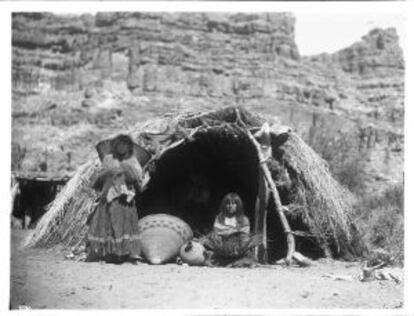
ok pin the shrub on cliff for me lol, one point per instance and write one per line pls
(341, 152)
(380, 215)
(381, 218)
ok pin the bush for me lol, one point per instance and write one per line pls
(379, 216)
(381, 221)
(341, 152)
(18, 155)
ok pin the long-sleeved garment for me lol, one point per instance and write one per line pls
(113, 226)
(231, 225)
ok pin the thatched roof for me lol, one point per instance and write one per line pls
(320, 208)
(40, 177)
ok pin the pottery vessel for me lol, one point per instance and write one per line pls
(193, 253)
(161, 237)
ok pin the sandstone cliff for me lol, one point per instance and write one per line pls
(79, 78)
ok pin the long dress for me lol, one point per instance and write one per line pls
(230, 238)
(113, 226)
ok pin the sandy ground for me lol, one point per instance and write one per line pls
(44, 279)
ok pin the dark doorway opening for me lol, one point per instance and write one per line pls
(190, 180)
(34, 195)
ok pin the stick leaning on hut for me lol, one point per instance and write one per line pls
(322, 207)
(264, 153)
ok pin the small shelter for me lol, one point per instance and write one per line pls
(32, 193)
(290, 196)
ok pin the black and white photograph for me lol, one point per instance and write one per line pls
(198, 159)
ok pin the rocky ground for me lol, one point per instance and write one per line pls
(45, 279)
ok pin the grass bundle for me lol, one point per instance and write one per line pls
(326, 206)
(64, 222)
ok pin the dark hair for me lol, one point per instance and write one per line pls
(125, 140)
(223, 209)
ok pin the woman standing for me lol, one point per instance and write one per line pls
(113, 226)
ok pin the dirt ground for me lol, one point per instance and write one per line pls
(45, 279)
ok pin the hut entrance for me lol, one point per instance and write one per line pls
(190, 180)
(33, 196)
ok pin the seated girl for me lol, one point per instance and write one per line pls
(231, 218)
(230, 237)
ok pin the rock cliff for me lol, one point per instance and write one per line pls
(83, 77)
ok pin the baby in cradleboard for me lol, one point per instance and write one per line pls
(113, 225)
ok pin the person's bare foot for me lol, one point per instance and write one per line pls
(135, 259)
(243, 263)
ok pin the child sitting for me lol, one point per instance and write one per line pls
(231, 218)
(230, 237)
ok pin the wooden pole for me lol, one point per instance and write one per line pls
(278, 204)
(260, 226)
(14, 191)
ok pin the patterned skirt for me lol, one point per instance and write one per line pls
(113, 230)
(236, 245)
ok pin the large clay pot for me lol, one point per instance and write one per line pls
(161, 237)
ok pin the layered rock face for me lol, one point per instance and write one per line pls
(187, 54)
(370, 90)
(120, 67)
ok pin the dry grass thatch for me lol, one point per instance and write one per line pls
(322, 204)
(325, 206)
(68, 212)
